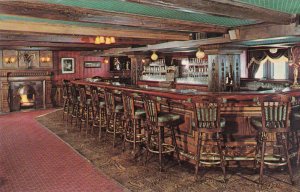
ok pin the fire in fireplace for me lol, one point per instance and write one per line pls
(27, 96)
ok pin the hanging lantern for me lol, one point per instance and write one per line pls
(200, 54)
(154, 56)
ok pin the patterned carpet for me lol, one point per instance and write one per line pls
(132, 173)
(34, 159)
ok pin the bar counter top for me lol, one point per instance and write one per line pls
(183, 94)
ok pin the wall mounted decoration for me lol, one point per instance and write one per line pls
(67, 65)
(28, 59)
(92, 64)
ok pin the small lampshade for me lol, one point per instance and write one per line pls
(154, 56)
(102, 40)
(112, 39)
(97, 40)
(6, 59)
(47, 59)
(107, 41)
(106, 61)
(13, 59)
(200, 54)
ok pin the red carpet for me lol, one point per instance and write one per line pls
(33, 159)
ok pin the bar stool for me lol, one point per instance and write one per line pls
(156, 121)
(114, 113)
(74, 101)
(133, 117)
(273, 127)
(98, 110)
(209, 128)
(85, 110)
(295, 127)
(66, 98)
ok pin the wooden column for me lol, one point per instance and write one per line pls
(4, 97)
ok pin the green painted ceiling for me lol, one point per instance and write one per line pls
(287, 6)
(138, 9)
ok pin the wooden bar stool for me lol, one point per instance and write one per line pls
(133, 117)
(156, 121)
(66, 98)
(209, 128)
(74, 100)
(98, 110)
(114, 113)
(273, 127)
(85, 110)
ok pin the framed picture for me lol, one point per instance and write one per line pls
(67, 65)
(92, 64)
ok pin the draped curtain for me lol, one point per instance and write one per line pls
(260, 57)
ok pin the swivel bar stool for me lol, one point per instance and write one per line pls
(98, 110)
(114, 113)
(209, 128)
(66, 98)
(156, 121)
(273, 127)
(133, 117)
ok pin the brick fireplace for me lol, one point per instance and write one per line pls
(24, 88)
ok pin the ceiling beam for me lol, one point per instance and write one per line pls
(63, 29)
(67, 13)
(20, 36)
(229, 8)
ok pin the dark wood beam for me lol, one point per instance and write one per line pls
(65, 29)
(67, 13)
(50, 44)
(20, 36)
(229, 8)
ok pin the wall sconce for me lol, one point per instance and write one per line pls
(45, 59)
(200, 54)
(154, 56)
(107, 40)
(9, 60)
(106, 61)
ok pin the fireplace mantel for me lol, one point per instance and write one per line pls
(8, 76)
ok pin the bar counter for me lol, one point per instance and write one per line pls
(237, 110)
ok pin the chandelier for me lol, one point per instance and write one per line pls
(104, 40)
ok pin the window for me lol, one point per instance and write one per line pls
(269, 70)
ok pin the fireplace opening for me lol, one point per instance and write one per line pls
(27, 96)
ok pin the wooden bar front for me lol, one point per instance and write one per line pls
(238, 109)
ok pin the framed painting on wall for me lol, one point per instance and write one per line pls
(67, 65)
(92, 64)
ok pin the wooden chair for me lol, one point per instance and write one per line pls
(133, 117)
(114, 113)
(156, 121)
(273, 127)
(209, 128)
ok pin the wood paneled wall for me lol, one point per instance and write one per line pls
(80, 71)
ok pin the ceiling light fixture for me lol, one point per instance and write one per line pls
(154, 56)
(273, 50)
(9, 60)
(200, 54)
(104, 40)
